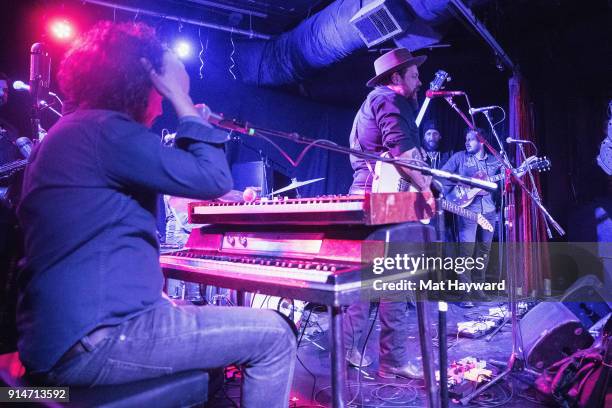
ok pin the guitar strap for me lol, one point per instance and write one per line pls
(370, 168)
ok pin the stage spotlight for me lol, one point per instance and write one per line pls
(182, 49)
(62, 30)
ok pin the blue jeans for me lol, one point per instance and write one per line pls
(393, 330)
(170, 339)
(475, 242)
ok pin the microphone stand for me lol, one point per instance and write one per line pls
(39, 78)
(515, 363)
(535, 192)
(442, 305)
(503, 153)
(509, 169)
(262, 155)
(44, 105)
(409, 164)
(36, 128)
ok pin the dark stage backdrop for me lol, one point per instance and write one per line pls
(273, 109)
(565, 66)
(286, 110)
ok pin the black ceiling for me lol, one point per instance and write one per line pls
(557, 43)
(268, 17)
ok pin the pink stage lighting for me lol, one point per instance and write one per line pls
(62, 30)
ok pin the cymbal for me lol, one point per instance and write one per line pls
(181, 204)
(231, 196)
(295, 184)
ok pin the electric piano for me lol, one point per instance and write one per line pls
(308, 249)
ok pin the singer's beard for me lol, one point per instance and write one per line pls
(414, 102)
(413, 99)
(431, 147)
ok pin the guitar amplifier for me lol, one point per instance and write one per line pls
(258, 174)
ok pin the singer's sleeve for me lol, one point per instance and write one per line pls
(132, 157)
(395, 119)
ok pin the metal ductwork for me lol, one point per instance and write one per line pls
(326, 38)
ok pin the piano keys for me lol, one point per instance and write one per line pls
(308, 249)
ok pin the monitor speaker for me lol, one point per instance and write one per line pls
(550, 332)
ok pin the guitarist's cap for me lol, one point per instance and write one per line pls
(430, 124)
(391, 62)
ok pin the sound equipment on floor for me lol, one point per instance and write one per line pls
(551, 332)
(586, 299)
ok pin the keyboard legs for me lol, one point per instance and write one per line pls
(337, 355)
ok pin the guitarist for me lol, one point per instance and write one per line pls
(385, 120)
(431, 143)
(436, 159)
(9, 153)
(8, 150)
(10, 237)
(474, 240)
(386, 123)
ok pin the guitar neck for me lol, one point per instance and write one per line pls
(497, 177)
(13, 166)
(501, 175)
(455, 209)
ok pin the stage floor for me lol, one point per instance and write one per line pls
(375, 391)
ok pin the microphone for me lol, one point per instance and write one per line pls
(214, 119)
(24, 144)
(21, 86)
(434, 94)
(40, 69)
(483, 109)
(220, 121)
(207, 114)
(512, 140)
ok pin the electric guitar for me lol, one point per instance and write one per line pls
(8, 169)
(387, 179)
(464, 195)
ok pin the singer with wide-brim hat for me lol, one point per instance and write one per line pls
(385, 123)
(393, 61)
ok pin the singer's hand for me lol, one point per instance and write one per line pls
(420, 181)
(172, 82)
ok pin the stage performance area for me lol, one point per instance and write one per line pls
(306, 203)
